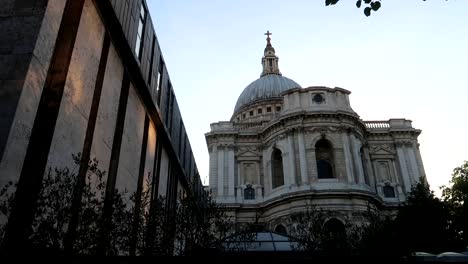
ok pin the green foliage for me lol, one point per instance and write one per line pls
(6, 200)
(456, 198)
(316, 237)
(457, 194)
(308, 231)
(377, 237)
(372, 5)
(53, 212)
(423, 224)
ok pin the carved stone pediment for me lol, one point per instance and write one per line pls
(248, 151)
(247, 154)
(381, 149)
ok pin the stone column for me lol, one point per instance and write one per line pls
(302, 158)
(358, 161)
(419, 160)
(286, 170)
(370, 171)
(348, 159)
(413, 163)
(404, 170)
(266, 167)
(220, 171)
(231, 163)
(213, 167)
(292, 159)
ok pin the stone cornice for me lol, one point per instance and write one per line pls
(309, 195)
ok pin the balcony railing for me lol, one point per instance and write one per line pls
(377, 124)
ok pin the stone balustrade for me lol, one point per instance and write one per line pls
(390, 124)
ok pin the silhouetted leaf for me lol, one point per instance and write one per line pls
(367, 1)
(330, 2)
(358, 3)
(367, 11)
(375, 6)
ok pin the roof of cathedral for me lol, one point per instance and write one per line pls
(270, 84)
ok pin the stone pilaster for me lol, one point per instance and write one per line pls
(348, 159)
(413, 163)
(357, 161)
(213, 167)
(302, 158)
(403, 168)
(230, 153)
(220, 171)
(291, 159)
(368, 168)
(419, 160)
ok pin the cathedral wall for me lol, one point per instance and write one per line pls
(331, 99)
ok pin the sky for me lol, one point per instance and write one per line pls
(407, 60)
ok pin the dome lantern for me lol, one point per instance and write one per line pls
(269, 60)
(270, 84)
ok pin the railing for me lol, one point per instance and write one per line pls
(377, 124)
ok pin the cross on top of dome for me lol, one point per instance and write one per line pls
(268, 34)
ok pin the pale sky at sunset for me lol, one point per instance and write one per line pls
(407, 60)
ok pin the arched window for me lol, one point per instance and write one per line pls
(335, 236)
(277, 168)
(324, 158)
(389, 191)
(280, 229)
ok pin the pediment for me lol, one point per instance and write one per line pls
(247, 153)
(382, 152)
(382, 149)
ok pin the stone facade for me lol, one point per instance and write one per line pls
(288, 148)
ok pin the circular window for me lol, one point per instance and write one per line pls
(318, 98)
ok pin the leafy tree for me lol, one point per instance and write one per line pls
(369, 5)
(456, 197)
(318, 232)
(200, 225)
(372, 5)
(377, 237)
(53, 212)
(195, 225)
(423, 224)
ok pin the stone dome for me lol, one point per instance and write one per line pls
(267, 86)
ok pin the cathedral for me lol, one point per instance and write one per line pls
(287, 148)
